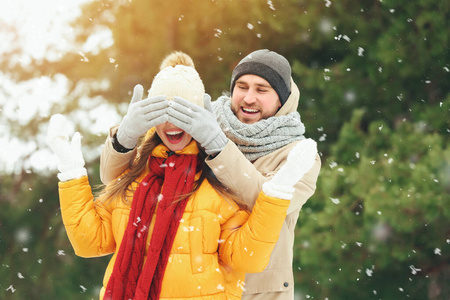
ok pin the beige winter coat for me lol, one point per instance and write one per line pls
(246, 178)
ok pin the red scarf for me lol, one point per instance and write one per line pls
(131, 279)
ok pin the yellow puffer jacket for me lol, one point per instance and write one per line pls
(215, 245)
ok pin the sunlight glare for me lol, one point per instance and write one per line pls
(39, 23)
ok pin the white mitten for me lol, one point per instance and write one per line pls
(141, 116)
(299, 161)
(71, 162)
(198, 122)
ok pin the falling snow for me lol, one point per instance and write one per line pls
(360, 51)
(138, 220)
(335, 200)
(218, 32)
(414, 270)
(383, 230)
(240, 284)
(270, 5)
(84, 58)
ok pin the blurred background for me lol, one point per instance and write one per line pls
(374, 81)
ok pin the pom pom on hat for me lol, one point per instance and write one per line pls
(177, 58)
(178, 80)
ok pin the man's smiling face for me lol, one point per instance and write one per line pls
(254, 99)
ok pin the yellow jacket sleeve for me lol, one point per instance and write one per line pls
(246, 244)
(87, 222)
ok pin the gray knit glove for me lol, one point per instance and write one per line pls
(299, 161)
(199, 123)
(71, 162)
(141, 116)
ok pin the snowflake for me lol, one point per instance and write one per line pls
(335, 200)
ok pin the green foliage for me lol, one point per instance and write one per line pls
(384, 56)
(37, 260)
(382, 211)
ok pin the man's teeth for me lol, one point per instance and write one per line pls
(174, 132)
(250, 110)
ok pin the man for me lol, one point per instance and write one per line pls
(259, 126)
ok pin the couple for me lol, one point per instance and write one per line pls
(206, 197)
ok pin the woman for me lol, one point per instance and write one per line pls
(174, 231)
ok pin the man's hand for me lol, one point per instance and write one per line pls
(141, 116)
(299, 161)
(71, 162)
(199, 123)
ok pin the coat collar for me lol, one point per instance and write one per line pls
(292, 102)
(162, 151)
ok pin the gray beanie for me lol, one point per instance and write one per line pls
(269, 65)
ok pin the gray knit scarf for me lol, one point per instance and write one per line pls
(260, 138)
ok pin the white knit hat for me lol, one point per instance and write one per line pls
(181, 81)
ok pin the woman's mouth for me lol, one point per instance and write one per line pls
(174, 136)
